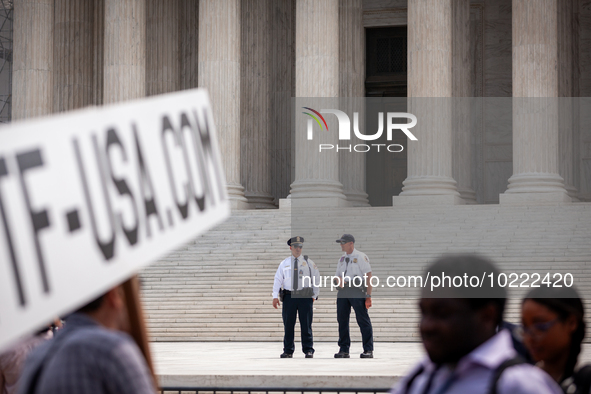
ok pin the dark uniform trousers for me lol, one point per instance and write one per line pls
(344, 313)
(304, 308)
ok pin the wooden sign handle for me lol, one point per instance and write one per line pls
(137, 324)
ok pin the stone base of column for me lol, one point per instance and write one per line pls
(318, 194)
(535, 187)
(532, 198)
(573, 193)
(435, 199)
(236, 197)
(426, 190)
(357, 199)
(285, 203)
(260, 201)
(320, 202)
(468, 195)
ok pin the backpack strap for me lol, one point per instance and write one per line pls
(581, 380)
(54, 344)
(500, 369)
(411, 380)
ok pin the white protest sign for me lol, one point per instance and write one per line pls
(89, 197)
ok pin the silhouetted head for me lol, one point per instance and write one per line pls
(458, 317)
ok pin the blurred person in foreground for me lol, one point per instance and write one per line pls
(466, 352)
(553, 330)
(90, 355)
(12, 360)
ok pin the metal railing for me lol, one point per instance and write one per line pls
(271, 390)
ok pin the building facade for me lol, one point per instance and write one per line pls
(253, 56)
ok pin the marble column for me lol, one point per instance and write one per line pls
(219, 72)
(352, 84)
(576, 64)
(98, 52)
(255, 111)
(32, 75)
(566, 91)
(430, 87)
(189, 43)
(461, 91)
(317, 78)
(73, 54)
(162, 47)
(535, 107)
(124, 50)
(282, 77)
(576, 32)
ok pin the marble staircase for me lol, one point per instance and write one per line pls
(218, 288)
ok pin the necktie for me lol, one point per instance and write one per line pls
(295, 276)
(347, 259)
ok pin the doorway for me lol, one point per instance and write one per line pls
(386, 78)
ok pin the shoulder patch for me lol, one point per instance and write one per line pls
(366, 259)
(342, 259)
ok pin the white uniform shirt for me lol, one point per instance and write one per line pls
(352, 265)
(308, 276)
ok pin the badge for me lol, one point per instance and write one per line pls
(354, 260)
(304, 264)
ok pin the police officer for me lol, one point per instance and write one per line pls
(353, 278)
(297, 278)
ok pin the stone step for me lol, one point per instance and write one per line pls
(170, 337)
(265, 330)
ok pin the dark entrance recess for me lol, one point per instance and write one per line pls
(386, 77)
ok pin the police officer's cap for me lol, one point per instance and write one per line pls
(296, 241)
(346, 238)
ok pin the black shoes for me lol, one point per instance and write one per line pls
(340, 354)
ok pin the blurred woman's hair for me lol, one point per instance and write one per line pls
(564, 301)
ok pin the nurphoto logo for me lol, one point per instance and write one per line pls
(345, 129)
